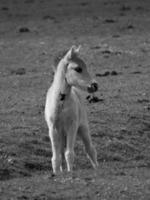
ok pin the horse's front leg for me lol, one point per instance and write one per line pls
(83, 132)
(56, 160)
(69, 153)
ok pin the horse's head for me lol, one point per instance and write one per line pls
(76, 71)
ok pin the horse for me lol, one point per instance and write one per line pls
(65, 112)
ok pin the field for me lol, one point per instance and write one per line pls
(115, 39)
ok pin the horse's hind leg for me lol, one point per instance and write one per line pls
(83, 132)
(56, 149)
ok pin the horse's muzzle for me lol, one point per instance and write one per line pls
(93, 87)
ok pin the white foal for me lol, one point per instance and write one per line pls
(65, 113)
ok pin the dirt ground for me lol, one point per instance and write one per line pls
(115, 39)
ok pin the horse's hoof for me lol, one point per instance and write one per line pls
(52, 175)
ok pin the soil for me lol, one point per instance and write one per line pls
(116, 47)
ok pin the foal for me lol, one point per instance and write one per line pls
(65, 113)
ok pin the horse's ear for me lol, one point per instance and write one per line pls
(72, 52)
(77, 49)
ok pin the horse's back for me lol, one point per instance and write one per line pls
(50, 105)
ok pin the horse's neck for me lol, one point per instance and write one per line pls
(77, 92)
(60, 85)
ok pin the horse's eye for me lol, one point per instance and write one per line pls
(78, 69)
